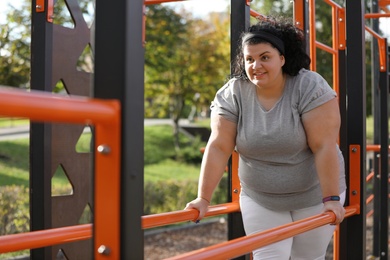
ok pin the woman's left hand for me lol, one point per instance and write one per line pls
(337, 209)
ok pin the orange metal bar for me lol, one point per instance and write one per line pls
(376, 15)
(50, 11)
(257, 15)
(326, 48)
(298, 14)
(43, 238)
(370, 176)
(370, 198)
(382, 49)
(40, 106)
(374, 147)
(341, 29)
(56, 236)
(162, 219)
(153, 2)
(312, 35)
(39, 6)
(332, 4)
(236, 187)
(105, 115)
(243, 245)
(336, 243)
(354, 176)
(107, 189)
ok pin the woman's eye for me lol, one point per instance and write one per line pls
(249, 59)
(264, 58)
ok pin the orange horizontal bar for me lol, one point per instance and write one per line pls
(258, 15)
(370, 176)
(374, 147)
(376, 15)
(331, 3)
(44, 106)
(370, 198)
(325, 48)
(43, 238)
(246, 244)
(56, 236)
(153, 2)
(156, 220)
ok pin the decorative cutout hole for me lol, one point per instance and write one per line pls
(88, 9)
(86, 216)
(84, 143)
(62, 15)
(60, 88)
(60, 183)
(86, 60)
(61, 255)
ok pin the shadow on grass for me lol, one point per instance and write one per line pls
(14, 162)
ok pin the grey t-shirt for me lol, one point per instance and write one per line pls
(276, 166)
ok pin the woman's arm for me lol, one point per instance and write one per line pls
(322, 126)
(218, 150)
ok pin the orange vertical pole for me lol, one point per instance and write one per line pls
(107, 189)
(235, 180)
(299, 18)
(312, 36)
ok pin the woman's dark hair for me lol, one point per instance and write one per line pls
(293, 38)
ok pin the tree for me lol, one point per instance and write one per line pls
(184, 56)
(15, 41)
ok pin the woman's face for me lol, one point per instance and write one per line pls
(263, 64)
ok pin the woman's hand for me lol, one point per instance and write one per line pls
(200, 204)
(337, 209)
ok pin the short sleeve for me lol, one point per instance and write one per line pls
(314, 92)
(225, 102)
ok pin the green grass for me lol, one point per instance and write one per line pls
(11, 122)
(159, 159)
(170, 169)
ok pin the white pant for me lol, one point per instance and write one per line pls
(311, 245)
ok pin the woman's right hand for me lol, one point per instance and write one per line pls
(200, 204)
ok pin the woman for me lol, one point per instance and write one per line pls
(284, 122)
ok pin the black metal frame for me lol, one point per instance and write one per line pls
(239, 22)
(353, 229)
(119, 74)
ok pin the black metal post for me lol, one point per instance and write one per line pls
(240, 21)
(40, 134)
(376, 113)
(119, 74)
(384, 163)
(355, 227)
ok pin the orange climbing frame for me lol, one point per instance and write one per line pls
(105, 116)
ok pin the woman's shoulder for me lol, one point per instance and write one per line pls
(235, 85)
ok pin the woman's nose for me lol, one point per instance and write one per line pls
(257, 64)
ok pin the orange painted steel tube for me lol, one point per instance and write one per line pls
(43, 238)
(235, 181)
(377, 15)
(107, 187)
(258, 15)
(299, 17)
(41, 106)
(326, 48)
(354, 175)
(369, 176)
(156, 220)
(381, 48)
(246, 244)
(55, 236)
(312, 35)
(153, 2)
(374, 147)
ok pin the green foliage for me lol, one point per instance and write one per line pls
(172, 195)
(15, 47)
(14, 209)
(191, 153)
(184, 56)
